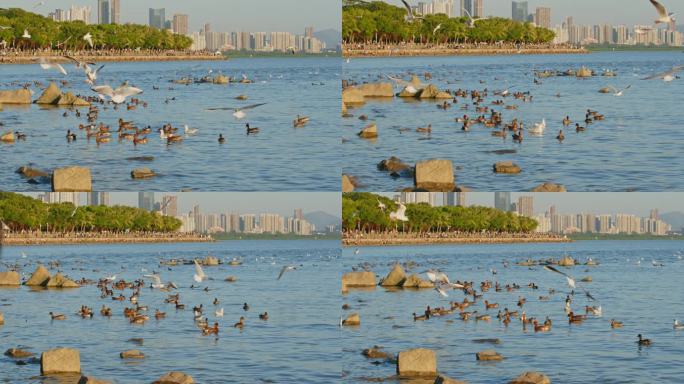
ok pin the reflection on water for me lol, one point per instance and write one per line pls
(645, 298)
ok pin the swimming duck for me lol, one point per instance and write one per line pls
(211, 330)
(518, 136)
(541, 328)
(572, 318)
(105, 311)
(251, 130)
(427, 129)
(70, 136)
(19, 135)
(421, 317)
(643, 341)
(263, 316)
(677, 325)
(221, 139)
(567, 121)
(560, 136)
(240, 324)
(482, 317)
(216, 301)
(615, 324)
(159, 315)
(578, 128)
(57, 316)
(491, 306)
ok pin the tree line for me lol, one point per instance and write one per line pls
(24, 213)
(379, 22)
(68, 35)
(362, 211)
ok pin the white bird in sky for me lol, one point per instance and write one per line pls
(399, 214)
(666, 76)
(238, 113)
(91, 74)
(437, 28)
(26, 34)
(89, 38)
(410, 16)
(286, 268)
(472, 20)
(663, 15)
(571, 281)
(119, 94)
(199, 275)
(618, 93)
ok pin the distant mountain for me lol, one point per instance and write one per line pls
(331, 37)
(322, 219)
(675, 219)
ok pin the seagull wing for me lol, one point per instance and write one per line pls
(398, 81)
(441, 291)
(251, 106)
(661, 9)
(410, 11)
(282, 272)
(127, 91)
(155, 277)
(198, 270)
(103, 90)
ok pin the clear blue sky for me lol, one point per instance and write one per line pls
(637, 203)
(627, 12)
(224, 15)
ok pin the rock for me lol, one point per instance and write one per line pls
(487, 341)
(369, 132)
(549, 187)
(132, 354)
(140, 158)
(414, 281)
(231, 279)
(59, 281)
(435, 175)
(8, 137)
(352, 320)
(142, 173)
(417, 362)
(352, 96)
(19, 96)
(175, 378)
(2, 319)
(506, 167)
(531, 378)
(344, 109)
(30, 173)
(40, 277)
(10, 278)
(393, 164)
(241, 97)
(376, 90)
(375, 353)
(605, 90)
(566, 261)
(488, 355)
(60, 360)
(587, 279)
(235, 263)
(395, 277)
(210, 261)
(220, 79)
(92, 380)
(347, 185)
(441, 379)
(71, 179)
(358, 279)
(70, 99)
(17, 353)
(584, 72)
(50, 95)
(431, 92)
(408, 92)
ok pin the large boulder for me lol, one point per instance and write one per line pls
(488, 355)
(435, 175)
(395, 277)
(221, 79)
(72, 179)
(549, 187)
(347, 184)
(40, 277)
(210, 261)
(417, 362)
(566, 261)
(51, 95)
(10, 278)
(508, 167)
(352, 96)
(60, 360)
(376, 90)
(175, 378)
(392, 164)
(8, 137)
(142, 173)
(19, 96)
(414, 281)
(59, 281)
(352, 320)
(132, 354)
(69, 99)
(432, 92)
(370, 131)
(358, 279)
(531, 378)
(2, 319)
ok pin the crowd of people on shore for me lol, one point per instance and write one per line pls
(397, 235)
(10, 55)
(368, 47)
(30, 235)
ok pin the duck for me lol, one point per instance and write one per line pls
(245, 306)
(572, 318)
(159, 315)
(560, 136)
(567, 121)
(491, 306)
(57, 316)
(482, 317)
(139, 140)
(263, 316)
(421, 317)
(70, 136)
(596, 311)
(211, 330)
(19, 135)
(105, 311)
(221, 139)
(427, 129)
(677, 325)
(251, 130)
(216, 301)
(541, 328)
(578, 128)
(171, 138)
(518, 136)
(615, 324)
(240, 324)
(642, 341)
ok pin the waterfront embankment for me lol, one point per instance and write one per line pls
(383, 239)
(70, 238)
(404, 50)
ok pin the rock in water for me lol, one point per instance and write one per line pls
(352, 320)
(69, 99)
(352, 96)
(395, 277)
(40, 277)
(369, 132)
(2, 319)
(531, 378)
(441, 379)
(566, 261)
(435, 175)
(10, 278)
(393, 164)
(132, 354)
(17, 353)
(60, 360)
(8, 137)
(175, 378)
(72, 179)
(549, 187)
(347, 185)
(417, 362)
(92, 380)
(59, 281)
(414, 281)
(50, 95)
(142, 173)
(376, 89)
(19, 96)
(506, 167)
(210, 261)
(358, 279)
(375, 353)
(488, 355)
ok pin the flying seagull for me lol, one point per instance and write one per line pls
(620, 92)
(119, 94)
(436, 28)
(91, 74)
(238, 113)
(157, 284)
(399, 214)
(663, 16)
(571, 281)
(666, 76)
(78, 63)
(26, 34)
(286, 268)
(472, 20)
(47, 65)
(199, 275)
(410, 17)
(89, 38)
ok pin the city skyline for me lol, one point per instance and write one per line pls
(267, 15)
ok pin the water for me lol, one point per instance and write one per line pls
(299, 342)
(279, 158)
(645, 298)
(637, 147)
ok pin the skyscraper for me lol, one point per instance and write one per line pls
(502, 201)
(180, 24)
(519, 11)
(157, 18)
(478, 8)
(103, 12)
(115, 12)
(453, 199)
(466, 6)
(97, 198)
(298, 214)
(146, 201)
(169, 206)
(308, 32)
(543, 17)
(526, 206)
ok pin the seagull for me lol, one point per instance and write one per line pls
(399, 214)
(91, 75)
(56, 66)
(436, 28)
(157, 281)
(39, 4)
(677, 325)
(357, 251)
(618, 93)
(110, 278)
(238, 113)
(190, 131)
(199, 275)
(23, 255)
(410, 17)
(381, 205)
(441, 291)
(219, 312)
(437, 277)
(538, 128)
(286, 268)
(89, 38)
(663, 16)
(473, 20)
(3, 27)
(666, 76)
(571, 281)
(79, 63)
(118, 95)
(410, 87)
(26, 34)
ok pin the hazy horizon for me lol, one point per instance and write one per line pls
(233, 15)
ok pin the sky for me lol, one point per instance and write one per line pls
(636, 203)
(224, 15)
(584, 12)
(282, 203)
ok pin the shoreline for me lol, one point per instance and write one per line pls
(443, 51)
(31, 241)
(375, 242)
(107, 58)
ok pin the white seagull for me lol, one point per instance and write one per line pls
(157, 284)
(219, 312)
(89, 38)
(677, 325)
(410, 16)
(472, 20)
(26, 34)
(666, 76)
(618, 93)
(190, 131)
(436, 28)
(286, 268)
(238, 113)
(199, 275)
(663, 16)
(118, 95)
(538, 128)
(571, 281)
(399, 214)
(91, 75)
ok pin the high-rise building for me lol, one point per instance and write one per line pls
(466, 8)
(653, 215)
(453, 199)
(77, 13)
(157, 18)
(478, 8)
(103, 12)
(418, 197)
(146, 201)
(526, 206)
(543, 17)
(298, 214)
(97, 198)
(169, 205)
(502, 201)
(180, 24)
(519, 11)
(115, 12)
(308, 32)
(61, 197)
